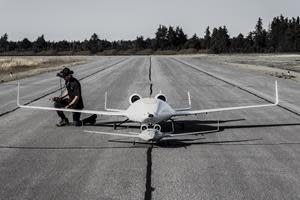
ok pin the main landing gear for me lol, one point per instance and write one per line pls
(119, 124)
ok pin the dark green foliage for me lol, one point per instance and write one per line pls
(169, 38)
(172, 38)
(207, 38)
(4, 45)
(40, 44)
(94, 44)
(283, 35)
(238, 44)
(220, 40)
(161, 37)
(25, 45)
(181, 37)
(193, 43)
(260, 37)
(140, 43)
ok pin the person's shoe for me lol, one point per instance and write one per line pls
(78, 123)
(62, 122)
(93, 119)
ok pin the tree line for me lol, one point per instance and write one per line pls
(282, 35)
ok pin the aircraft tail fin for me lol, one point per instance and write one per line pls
(189, 106)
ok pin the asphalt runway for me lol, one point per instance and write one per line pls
(255, 155)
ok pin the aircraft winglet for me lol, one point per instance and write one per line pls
(189, 97)
(276, 95)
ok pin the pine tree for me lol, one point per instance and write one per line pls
(181, 37)
(297, 35)
(94, 44)
(193, 42)
(161, 37)
(207, 38)
(220, 40)
(25, 44)
(4, 45)
(260, 37)
(238, 44)
(40, 44)
(140, 43)
(172, 39)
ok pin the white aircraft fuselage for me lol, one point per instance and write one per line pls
(150, 111)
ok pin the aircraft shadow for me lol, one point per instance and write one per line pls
(128, 124)
(188, 126)
(179, 143)
(204, 126)
(165, 125)
(69, 147)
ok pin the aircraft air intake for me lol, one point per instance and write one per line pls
(161, 97)
(144, 127)
(134, 97)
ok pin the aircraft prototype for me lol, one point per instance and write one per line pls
(149, 112)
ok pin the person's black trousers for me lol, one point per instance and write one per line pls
(63, 103)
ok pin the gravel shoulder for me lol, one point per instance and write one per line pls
(285, 66)
(19, 67)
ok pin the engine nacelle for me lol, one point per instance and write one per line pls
(134, 97)
(144, 127)
(161, 97)
(150, 126)
(157, 127)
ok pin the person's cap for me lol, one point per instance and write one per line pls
(65, 72)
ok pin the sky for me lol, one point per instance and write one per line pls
(126, 19)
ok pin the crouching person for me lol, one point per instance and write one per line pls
(71, 99)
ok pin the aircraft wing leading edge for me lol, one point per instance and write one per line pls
(108, 113)
(115, 134)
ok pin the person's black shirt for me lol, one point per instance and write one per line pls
(74, 89)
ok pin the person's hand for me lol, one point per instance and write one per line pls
(68, 106)
(55, 98)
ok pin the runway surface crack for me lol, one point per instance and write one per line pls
(149, 188)
(150, 66)
(150, 69)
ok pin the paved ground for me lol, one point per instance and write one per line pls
(255, 155)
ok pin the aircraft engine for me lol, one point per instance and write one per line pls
(157, 127)
(161, 97)
(134, 97)
(144, 127)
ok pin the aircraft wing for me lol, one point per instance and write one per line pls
(108, 113)
(115, 134)
(195, 112)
